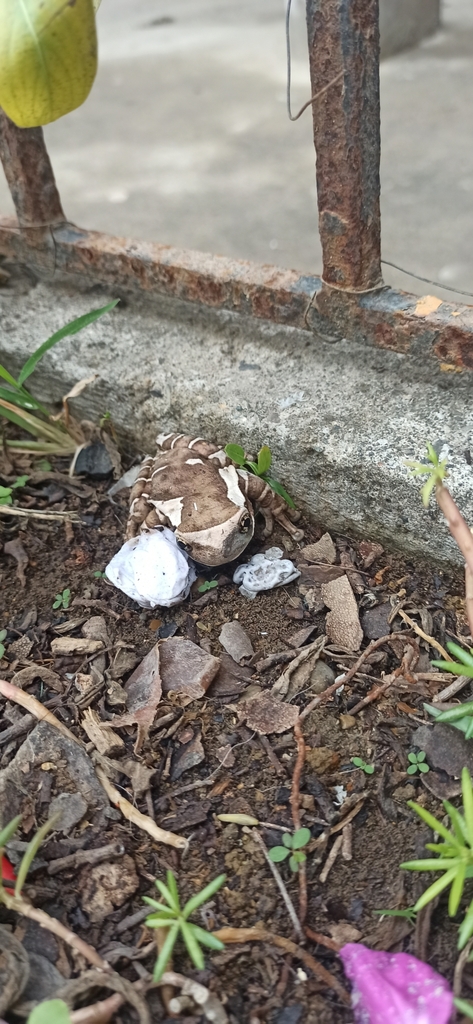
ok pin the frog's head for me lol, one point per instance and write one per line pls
(220, 543)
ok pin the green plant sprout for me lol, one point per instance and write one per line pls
(460, 717)
(433, 469)
(462, 667)
(99, 575)
(6, 495)
(6, 834)
(207, 585)
(20, 407)
(455, 856)
(62, 600)
(368, 769)
(294, 843)
(260, 468)
(417, 763)
(3, 635)
(176, 920)
(409, 913)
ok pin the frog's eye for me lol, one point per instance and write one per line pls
(245, 523)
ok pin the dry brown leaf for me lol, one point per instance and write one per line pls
(342, 623)
(323, 550)
(185, 668)
(144, 691)
(297, 674)
(26, 676)
(236, 641)
(16, 550)
(265, 714)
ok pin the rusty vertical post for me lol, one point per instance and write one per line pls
(344, 65)
(34, 192)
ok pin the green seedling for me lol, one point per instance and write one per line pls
(6, 493)
(207, 585)
(62, 600)
(44, 465)
(21, 408)
(99, 575)
(454, 856)
(6, 834)
(292, 847)
(409, 913)
(417, 763)
(368, 769)
(433, 469)
(463, 666)
(3, 635)
(169, 915)
(260, 468)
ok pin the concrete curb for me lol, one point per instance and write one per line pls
(340, 417)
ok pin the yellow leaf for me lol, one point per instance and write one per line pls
(48, 58)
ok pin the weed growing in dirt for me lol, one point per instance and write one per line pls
(6, 493)
(455, 857)
(368, 769)
(20, 407)
(99, 575)
(460, 717)
(260, 468)
(409, 913)
(417, 763)
(62, 600)
(292, 847)
(6, 834)
(3, 635)
(175, 920)
(207, 585)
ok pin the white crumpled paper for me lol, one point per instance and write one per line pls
(152, 570)
(264, 572)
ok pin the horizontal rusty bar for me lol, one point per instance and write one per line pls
(385, 318)
(343, 40)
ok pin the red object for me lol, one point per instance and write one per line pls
(8, 874)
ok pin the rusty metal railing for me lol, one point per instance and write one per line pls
(349, 299)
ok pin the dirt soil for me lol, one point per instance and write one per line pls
(188, 786)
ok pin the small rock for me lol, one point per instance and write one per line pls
(405, 792)
(71, 807)
(44, 980)
(321, 677)
(445, 747)
(106, 886)
(236, 641)
(322, 759)
(290, 1014)
(311, 575)
(300, 638)
(347, 721)
(188, 756)
(375, 623)
(93, 460)
(323, 550)
(186, 668)
(344, 932)
(64, 645)
(342, 623)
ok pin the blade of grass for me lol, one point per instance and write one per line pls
(202, 897)
(31, 851)
(9, 830)
(467, 794)
(433, 823)
(71, 328)
(192, 945)
(456, 891)
(435, 889)
(166, 951)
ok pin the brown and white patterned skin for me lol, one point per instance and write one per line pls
(192, 487)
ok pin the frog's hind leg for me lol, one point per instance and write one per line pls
(139, 507)
(271, 505)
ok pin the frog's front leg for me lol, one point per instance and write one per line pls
(271, 505)
(141, 514)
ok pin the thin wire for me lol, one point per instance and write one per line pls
(428, 280)
(291, 116)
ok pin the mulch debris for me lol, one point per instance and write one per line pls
(155, 723)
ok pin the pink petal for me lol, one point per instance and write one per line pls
(395, 988)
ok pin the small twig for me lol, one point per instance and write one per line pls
(347, 835)
(331, 859)
(376, 692)
(420, 632)
(282, 888)
(451, 690)
(322, 940)
(257, 934)
(278, 767)
(75, 860)
(97, 1013)
(296, 815)
(30, 513)
(457, 525)
(27, 701)
(349, 817)
(459, 968)
(51, 924)
(132, 814)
